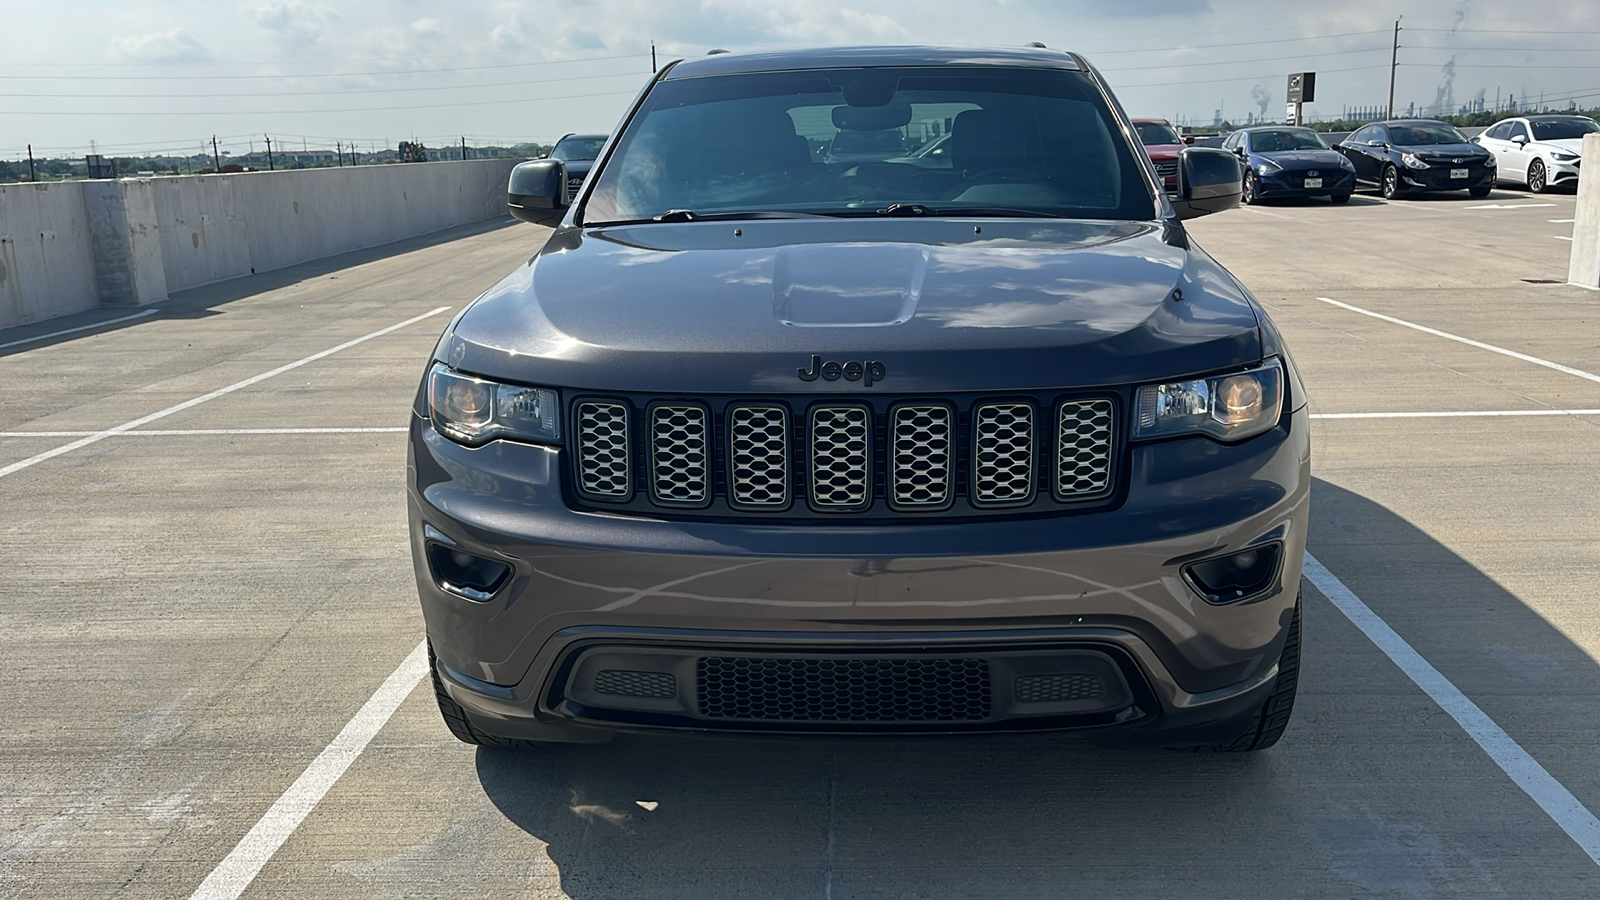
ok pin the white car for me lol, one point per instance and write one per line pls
(1538, 151)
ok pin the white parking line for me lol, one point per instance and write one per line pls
(188, 432)
(1561, 237)
(1465, 414)
(1561, 221)
(1535, 781)
(160, 414)
(1468, 341)
(240, 867)
(1509, 206)
(46, 337)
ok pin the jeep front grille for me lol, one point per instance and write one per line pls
(604, 463)
(1083, 449)
(1003, 472)
(840, 457)
(921, 464)
(811, 459)
(758, 456)
(679, 462)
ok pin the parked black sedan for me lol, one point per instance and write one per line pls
(1289, 161)
(1407, 156)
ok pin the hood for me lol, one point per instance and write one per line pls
(1464, 150)
(1569, 145)
(1303, 159)
(1163, 151)
(942, 304)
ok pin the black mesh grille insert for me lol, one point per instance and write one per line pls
(635, 684)
(1057, 688)
(814, 689)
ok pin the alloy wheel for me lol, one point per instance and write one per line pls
(1536, 177)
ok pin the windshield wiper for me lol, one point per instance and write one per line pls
(689, 215)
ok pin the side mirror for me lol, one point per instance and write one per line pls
(1519, 139)
(1208, 181)
(537, 192)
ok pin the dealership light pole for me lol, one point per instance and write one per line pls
(1394, 62)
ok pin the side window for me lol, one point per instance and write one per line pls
(1500, 131)
(1517, 128)
(1231, 141)
(1362, 135)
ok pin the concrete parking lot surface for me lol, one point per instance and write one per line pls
(199, 607)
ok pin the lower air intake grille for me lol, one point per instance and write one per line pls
(624, 683)
(1057, 688)
(808, 689)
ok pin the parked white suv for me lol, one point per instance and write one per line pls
(1538, 151)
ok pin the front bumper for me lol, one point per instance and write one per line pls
(1437, 178)
(1291, 183)
(1560, 172)
(1102, 589)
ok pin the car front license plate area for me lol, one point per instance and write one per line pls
(1313, 182)
(1458, 173)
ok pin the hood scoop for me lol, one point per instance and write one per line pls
(848, 285)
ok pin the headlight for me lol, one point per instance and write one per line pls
(1346, 164)
(1563, 157)
(1226, 407)
(1412, 162)
(1491, 162)
(1268, 167)
(473, 410)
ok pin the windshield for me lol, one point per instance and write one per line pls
(1422, 134)
(1286, 139)
(1563, 129)
(835, 142)
(574, 149)
(1156, 133)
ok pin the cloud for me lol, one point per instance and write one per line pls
(293, 23)
(427, 26)
(162, 47)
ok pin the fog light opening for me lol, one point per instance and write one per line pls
(466, 575)
(1237, 576)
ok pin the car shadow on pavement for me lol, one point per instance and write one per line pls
(1373, 791)
(203, 301)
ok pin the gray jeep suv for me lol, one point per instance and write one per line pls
(760, 442)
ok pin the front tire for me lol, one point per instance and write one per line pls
(1340, 198)
(456, 719)
(1538, 179)
(1266, 726)
(1478, 193)
(1249, 192)
(1389, 185)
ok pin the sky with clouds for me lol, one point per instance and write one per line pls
(166, 75)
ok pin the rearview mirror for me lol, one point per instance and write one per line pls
(537, 192)
(1209, 181)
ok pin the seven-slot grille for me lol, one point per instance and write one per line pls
(844, 457)
(758, 456)
(679, 454)
(604, 463)
(840, 459)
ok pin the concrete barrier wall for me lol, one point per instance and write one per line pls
(46, 258)
(223, 226)
(73, 246)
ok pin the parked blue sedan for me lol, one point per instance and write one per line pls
(1288, 161)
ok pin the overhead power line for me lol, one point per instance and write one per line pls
(1232, 62)
(324, 93)
(1171, 49)
(207, 77)
(297, 112)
